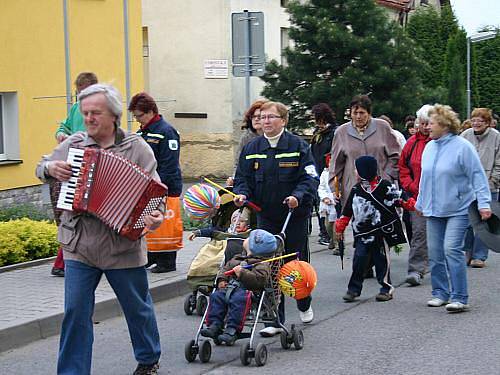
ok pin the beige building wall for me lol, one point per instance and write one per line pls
(182, 35)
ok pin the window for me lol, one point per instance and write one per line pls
(284, 3)
(9, 127)
(285, 42)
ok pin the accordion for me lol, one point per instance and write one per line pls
(112, 188)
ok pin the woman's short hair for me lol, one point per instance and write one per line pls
(112, 95)
(143, 102)
(280, 108)
(323, 112)
(446, 117)
(361, 101)
(247, 119)
(484, 113)
(423, 113)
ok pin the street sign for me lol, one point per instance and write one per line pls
(248, 44)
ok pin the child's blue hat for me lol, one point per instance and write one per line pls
(262, 243)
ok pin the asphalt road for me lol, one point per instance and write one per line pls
(402, 336)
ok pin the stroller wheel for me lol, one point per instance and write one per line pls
(201, 305)
(286, 342)
(298, 338)
(245, 354)
(260, 354)
(190, 351)
(189, 302)
(205, 351)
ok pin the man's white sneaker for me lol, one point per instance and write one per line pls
(456, 307)
(270, 331)
(436, 302)
(307, 316)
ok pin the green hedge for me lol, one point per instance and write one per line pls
(23, 210)
(24, 239)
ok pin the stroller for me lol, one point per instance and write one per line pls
(264, 309)
(206, 264)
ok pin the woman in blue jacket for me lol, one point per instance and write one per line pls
(452, 177)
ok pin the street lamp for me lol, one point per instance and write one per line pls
(485, 35)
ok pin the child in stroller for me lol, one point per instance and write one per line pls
(233, 297)
(262, 308)
(222, 247)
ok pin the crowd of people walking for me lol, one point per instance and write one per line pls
(363, 172)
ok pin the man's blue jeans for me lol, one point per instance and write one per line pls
(473, 244)
(131, 288)
(445, 242)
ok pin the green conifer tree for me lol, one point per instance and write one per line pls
(343, 48)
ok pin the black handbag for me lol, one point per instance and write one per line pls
(393, 233)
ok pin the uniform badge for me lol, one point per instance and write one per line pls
(173, 144)
(255, 165)
(311, 171)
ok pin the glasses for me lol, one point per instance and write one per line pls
(138, 115)
(256, 117)
(269, 117)
(477, 121)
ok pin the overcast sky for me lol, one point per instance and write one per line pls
(472, 14)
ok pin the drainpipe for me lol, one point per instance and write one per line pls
(127, 62)
(67, 65)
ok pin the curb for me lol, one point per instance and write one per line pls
(31, 263)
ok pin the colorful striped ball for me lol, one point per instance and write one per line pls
(201, 201)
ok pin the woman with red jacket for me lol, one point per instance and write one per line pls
(409, 177)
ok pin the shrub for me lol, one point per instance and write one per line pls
(24, 239)
(23, 210)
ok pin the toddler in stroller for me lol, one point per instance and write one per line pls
(204, 267)
(233, 297)
(242, 309)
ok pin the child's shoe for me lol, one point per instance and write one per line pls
(213, 331)
(383, 297)
(349, 297)
(229, 336)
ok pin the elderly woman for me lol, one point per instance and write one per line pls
(363, 135)
(487, 143)
(410, 164)
(452, 177)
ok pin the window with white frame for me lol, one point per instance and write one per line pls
(9, 127)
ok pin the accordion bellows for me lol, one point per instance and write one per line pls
(112, 188)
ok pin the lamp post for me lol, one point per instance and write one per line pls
(473, 39)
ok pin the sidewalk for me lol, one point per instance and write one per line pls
(32, 301)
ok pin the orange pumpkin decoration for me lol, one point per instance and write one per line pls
(297, 279)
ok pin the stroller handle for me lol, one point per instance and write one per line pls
(285, 224)
(248, 266)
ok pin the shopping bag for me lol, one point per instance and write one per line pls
(168, 237)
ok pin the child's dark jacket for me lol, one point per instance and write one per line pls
(254, 278)
(373, 213)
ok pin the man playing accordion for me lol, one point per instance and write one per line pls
(92, 248)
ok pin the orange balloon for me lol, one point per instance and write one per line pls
(297, 279)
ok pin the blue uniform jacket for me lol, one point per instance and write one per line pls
(268, 175)
(165, 142)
